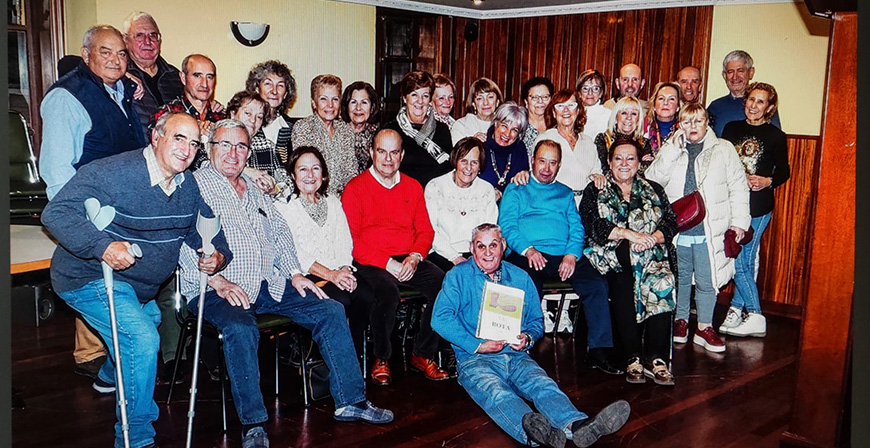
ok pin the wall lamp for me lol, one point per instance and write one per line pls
(250, 34)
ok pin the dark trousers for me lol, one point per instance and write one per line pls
(649, 339)
(587, 283)
(443, 263)
(427, 279)
(357, 306)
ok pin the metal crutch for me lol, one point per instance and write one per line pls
(207, 229)
(101, 217)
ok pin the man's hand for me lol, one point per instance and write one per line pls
(394, 268)
(521, 178)
(536, 259)
(490, 346)
(520, 346)
(343, 278)
(301, 283)
(409, 267)
(216, 106)
(140, 89)
(204, 129)
(458, 260)
(211, 264)
(262, 180)
(117, 257)
(566, 267)
(229, 291)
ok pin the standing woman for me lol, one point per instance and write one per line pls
(590, 87)
(359, 108)
(275, 84)
(483, 98)
(445, 97)
(506, 154)
(763, 150)
(661, 121)
(696, 160)
(626, 121)
(537, 93)
(334, 138)
(425, 140)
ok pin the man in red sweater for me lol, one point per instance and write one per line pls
(391, 234)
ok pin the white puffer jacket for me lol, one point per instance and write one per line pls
(723, 185)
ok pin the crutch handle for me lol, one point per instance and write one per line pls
(135, 250)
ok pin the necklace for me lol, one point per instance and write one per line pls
(502, 178)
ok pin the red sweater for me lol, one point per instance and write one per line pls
(385, 222)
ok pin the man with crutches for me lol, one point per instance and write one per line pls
(156, 203)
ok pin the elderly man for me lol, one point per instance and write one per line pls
(391, 235)
(265, 277)
(629, 83)
(156, 205)
(87, 115)
(737, 70)
(498, 373)
(543, 229)
(689, 79)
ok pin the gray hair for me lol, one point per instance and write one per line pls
(89, 34)
(485, 227)
(512, 114)
(135, 16)
(735, 55)
(227, 123)
(160, 126)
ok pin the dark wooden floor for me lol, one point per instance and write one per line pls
(741, 398)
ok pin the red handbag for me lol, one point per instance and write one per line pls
(690, 210)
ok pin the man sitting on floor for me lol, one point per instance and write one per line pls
(498, 373)
(265, 277)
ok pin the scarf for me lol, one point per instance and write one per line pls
(653, 279)
(423, 137)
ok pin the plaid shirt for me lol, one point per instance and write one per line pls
(181, 104)
(155, 175)
(258, 236)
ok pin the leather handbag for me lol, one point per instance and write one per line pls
(690, 210)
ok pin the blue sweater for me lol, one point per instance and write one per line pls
(144, 215)
(726, 109)
(457, 306)
(541, 215)
(519, 160)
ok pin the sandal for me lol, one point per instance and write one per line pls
(660, 373)
(634, 372)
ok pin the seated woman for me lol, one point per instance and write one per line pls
(359, 108)
(661, 120)
(272, 81)
(626, 122)
(444, 99)
(458, 202)
(322, 238)
(506, 153)
(590, 87)
(250, 109)
(629, 227)
(334, 138)
(483, 98)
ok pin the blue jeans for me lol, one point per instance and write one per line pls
(499, 383)
(324, 317)
(745, 288)
(139, 343)
(695, 259)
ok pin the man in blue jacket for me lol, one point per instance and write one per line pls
(497, 373)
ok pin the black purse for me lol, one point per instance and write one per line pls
(317, 381)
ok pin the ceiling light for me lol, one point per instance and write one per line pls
(477, 2)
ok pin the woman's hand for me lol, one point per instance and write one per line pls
(498, 194)
(738, 233)
(599, 180)
(648, 158)
(758, 183)
(521, 178)
(481, 136)
(458, 260)
(343, 278)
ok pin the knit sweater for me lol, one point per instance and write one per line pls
(468, 126)
(384, 221)
(577, 162)
(145, 215)
(329, 245)
(456, 211)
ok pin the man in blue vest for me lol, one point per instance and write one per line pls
(87, 115)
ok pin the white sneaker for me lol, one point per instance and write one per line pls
(732, 320)
(565, 324)
(754, 325)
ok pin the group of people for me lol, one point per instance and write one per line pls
(324, 218)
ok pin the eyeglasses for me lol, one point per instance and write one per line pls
(697, 122)
(226, 146)
(563, 106)
(539, 98)
(141, 37)
(591, 89)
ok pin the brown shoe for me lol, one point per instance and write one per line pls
(381, 373)
(428, 367)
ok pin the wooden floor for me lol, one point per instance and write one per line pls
(741, 398)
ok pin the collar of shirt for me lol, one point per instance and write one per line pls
(380, 181)
(155, 174)
(116, 93)
(496, 276)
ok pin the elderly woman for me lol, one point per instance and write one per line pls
(334, 138)
(536, 92)
(445, 97)
(315, 216)
(506, 153)
(458, 202)
(696, 160)
(590, 87)
(483, 98)
(263, 164)
(426, 141)
(359, 108)
(629, 226)
(661, 120)
(272, 81)
(763, 150)
(626, 122)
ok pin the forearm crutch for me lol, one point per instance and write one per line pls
(207, 229)
(101, 217)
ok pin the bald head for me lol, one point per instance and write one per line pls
(387, 153)
(630, 80)
(689, 79)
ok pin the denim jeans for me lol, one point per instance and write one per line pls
(324, 317)
(499, 383)
(745, 288)
(695, 259)
(139, 343)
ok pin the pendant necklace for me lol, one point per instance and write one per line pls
(502, 178)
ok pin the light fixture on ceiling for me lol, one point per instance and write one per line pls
(250, 34)
(477, 2)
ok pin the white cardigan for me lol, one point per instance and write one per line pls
(597, 117)
(446, 203)
(329, 245)
(723, 186)
(577, 163)
(467, 126)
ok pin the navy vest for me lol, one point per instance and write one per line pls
(111, 132)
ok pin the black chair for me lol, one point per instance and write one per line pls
(27, 196)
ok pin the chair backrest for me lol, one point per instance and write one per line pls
(22, 162)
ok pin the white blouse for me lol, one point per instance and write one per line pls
(577, 163)
(467, 126)
(456, 211)
(597, 117)
(329, 245)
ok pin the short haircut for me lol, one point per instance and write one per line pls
(373, 98)
(511, 113)
(321, 81)
(187, 59)
(259, 71)
(625, 141)
(534, 82)
(594, 75)
(160, 125)
(692, 110)
(560, 97)
(463, 147)
(551, 144)
(442, 80)
(242, 98)
(88, 38)
(486, 227)
(228, 123)
(416, 80)
(482, 85)
(291, 168)
(627, 102)
(651, 114)
(136, 16)
(735, 55)
(773, 98)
